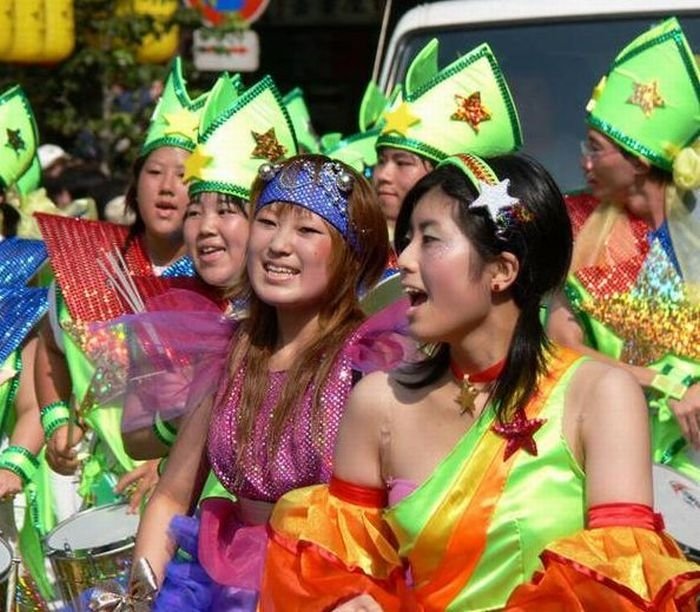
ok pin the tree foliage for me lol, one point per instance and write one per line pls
(97, 102)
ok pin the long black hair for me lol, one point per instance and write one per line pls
(542, 244)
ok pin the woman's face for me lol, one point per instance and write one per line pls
(161, 194)
(396, 172)
(441, 273)
(289, 253)
(610, 174)
(216, 234)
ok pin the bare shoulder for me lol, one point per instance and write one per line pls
(371, 397)
(603, 394)
(601, 380)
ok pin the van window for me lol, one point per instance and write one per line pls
(551, 68)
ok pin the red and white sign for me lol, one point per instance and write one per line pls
(216, 11)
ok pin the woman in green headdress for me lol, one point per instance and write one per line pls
(153, 246)
(632, 294)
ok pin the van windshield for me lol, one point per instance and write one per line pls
(551, 68)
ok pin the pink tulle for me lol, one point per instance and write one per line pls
(231, 552)
(383, 341)
(166, 360)
(175, 355)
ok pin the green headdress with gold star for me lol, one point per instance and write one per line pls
(18, 136)
(649, 102)
(465, 107)
(175, 117)
(359, 150)
(298, 112)
(238, 133)
(30, 179)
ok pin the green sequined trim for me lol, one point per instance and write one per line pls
(412, 145)
(168, 141)
(219, 187)
(629, 143)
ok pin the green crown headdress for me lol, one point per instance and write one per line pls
(30, 179)
(18, 135)
(466, 106)
(359, 150)
(298, 112)
(649, 102)
(237, 134)
(175, 117)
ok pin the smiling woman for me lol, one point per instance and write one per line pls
(316, 235)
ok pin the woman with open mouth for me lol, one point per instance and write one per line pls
(501, 472)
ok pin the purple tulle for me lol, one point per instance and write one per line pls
(188, 586)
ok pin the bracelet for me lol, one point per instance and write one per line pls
(54, 415)
(668, 387)
(164, 431)
(162, 463)
(20, 461)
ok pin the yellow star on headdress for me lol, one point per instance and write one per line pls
(399, 120)
(647, 97)
(471, 110)
(182, 122)
(195, 163)
(267, 146)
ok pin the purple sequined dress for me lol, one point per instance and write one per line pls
(228, 541)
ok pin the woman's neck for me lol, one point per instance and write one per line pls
(489, 343)
(649, 203)
(294, 331)
(163, 251)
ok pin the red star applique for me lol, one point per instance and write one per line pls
(471, 110)
(519, 434)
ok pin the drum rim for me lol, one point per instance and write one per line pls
(75, 553)
(6, 572)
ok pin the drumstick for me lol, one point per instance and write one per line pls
(11, 594)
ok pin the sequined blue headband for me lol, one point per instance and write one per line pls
(323, 191)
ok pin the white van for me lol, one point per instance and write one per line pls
(553, 52)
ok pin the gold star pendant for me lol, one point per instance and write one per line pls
(471, 110)
(647, 97)
(399, 120)
(195, 164)
(182, 122)
(267, 146)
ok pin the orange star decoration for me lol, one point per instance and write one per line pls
(399, 120)
(181, 122)
(195, 163)
(519, 434)
(267, 146)
(647, 97)
(471, 110)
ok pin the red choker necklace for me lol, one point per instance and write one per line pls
(467, 391)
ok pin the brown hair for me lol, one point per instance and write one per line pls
(351, 267)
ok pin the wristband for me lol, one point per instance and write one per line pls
(668, 387)
(164, 431)
(54, 415)
(20, 461)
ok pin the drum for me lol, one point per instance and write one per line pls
(677, 497)
(5, 570)
(91, 547)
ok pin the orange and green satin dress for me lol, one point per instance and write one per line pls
(505, 507)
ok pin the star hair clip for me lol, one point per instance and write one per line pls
(503, 208)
